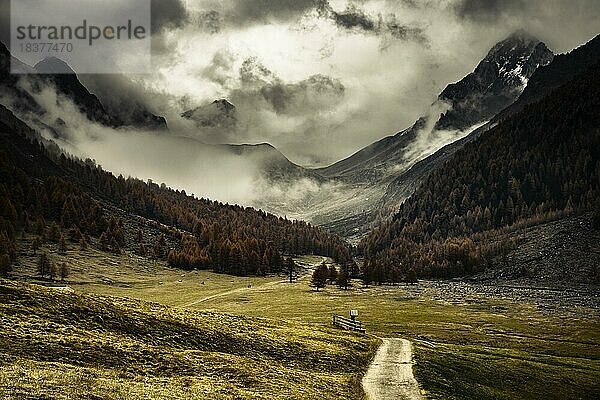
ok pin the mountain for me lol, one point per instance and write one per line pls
(20, 91)
(545, 79)
(10, 91)
(538, 165)
(65, 196)
(361, 180)
(56, 72)
(549, 77)
(496, 82)
(218, 114)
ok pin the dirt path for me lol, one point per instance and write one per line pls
(248, 289)
(390, 375)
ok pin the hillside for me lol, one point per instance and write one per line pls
(20, 91)
(64, 345)
(58, 198)
(542, 163)
(546, 78)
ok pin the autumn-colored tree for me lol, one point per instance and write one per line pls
(40, 226)
(4, 264)
(290, 267)
(36, 244)
(54, 233)
(411, 277)
(141, 250)
(62, 245)
(54, 270)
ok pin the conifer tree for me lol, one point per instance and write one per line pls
(64, 271)
(343, 280)
(4, 264)
(319, 277)
(332, 274)
(290, 267)
(43, 267)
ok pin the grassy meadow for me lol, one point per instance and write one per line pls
(479, 347)
(64, 345)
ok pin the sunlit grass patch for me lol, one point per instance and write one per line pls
(64, 345)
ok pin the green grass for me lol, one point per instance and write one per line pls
(478, 372)
(56, 344)
(484, 348)
(128, 275)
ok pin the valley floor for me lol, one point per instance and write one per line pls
(56, 344)
(390, 375)
(470, 339)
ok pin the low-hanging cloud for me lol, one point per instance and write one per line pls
(268, 108)
(180, 162)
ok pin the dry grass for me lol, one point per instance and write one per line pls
(484, 348)
(55, 344)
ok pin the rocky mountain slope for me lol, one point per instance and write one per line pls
(218, 114)
(563, 68)
(20, 92)
(360, 181)
(538, 165)
(496, 82)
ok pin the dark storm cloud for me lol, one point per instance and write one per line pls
(219, 15)
(210, 21)
(306, 96)
(258, 11)
(402, 32)
(487, 10)
(258, 83)
(238, 14)
(5, 21)
(353, 18)
(168, 14)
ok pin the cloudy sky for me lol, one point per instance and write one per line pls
(320, 79)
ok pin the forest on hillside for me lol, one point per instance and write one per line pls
(63, 199)
(539, 164)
